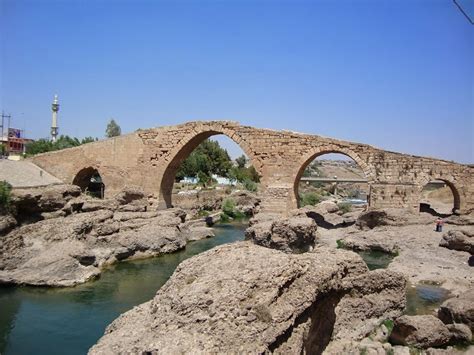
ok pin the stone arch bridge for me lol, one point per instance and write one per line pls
(150, 158)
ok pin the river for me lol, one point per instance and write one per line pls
(40, 320)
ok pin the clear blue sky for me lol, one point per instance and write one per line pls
(393, 74)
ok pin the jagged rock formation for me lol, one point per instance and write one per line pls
(66, 238)
(261, 300)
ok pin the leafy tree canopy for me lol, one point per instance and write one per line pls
(208, 158)
(241, 161)
(44, 145)
(113, 129)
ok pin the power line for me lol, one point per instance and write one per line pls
(463, 12)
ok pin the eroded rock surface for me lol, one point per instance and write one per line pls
(391, 217)
(32, 201)
(462, 240)
(327, 215)
(294, 234)
(417, 252)
(77, 235)
(261, 300)
(459, 309)
(420, 331)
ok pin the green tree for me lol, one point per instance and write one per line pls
(113, 129)
(208, 158)
(309, 198)
(44, 145)
(241, 161)
(39, 146)
(64, 142)
(88, 140)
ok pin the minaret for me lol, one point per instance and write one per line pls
(54, 124)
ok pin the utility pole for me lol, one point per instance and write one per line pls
(3, 123)
(8, 117)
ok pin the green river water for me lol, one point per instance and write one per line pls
(40, 320)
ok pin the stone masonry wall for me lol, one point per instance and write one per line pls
(149, 159)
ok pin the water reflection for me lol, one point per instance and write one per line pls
(425, 298)
(70, 320)
(376, 259)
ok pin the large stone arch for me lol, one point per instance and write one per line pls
(307, 158)
(184, 148)
(448, 180)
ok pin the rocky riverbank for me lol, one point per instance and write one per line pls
(56, 236)
(289, 289)
(420, 253)
(261, 300)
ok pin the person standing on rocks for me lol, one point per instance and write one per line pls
(439, 225)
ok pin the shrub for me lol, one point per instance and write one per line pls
(228, 207)
(250, 185)
(344, 207)
(224, 218)
(203, 213)
(229, 212)
(309, 198)
(5, 195)
(340, 244)
(388, 323)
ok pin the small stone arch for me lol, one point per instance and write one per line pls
(90, 180)
(185, 147)
(369, 172)
(457, 201)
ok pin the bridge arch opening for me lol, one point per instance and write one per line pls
(202, 164)
(90, 182)
(332, 175)
(440, 198)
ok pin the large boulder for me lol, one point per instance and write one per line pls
(462, 240)
(260, 301)
(371, 298)
(196, 230)
(460, 333)
(44, 199)
(459, 309)
(420, 331)
(291, 235)
(245, 202)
